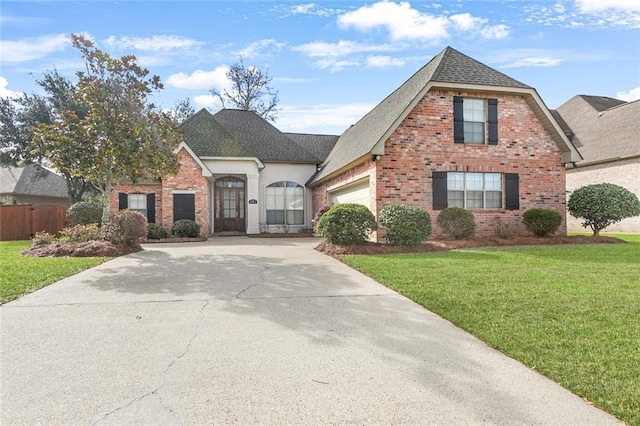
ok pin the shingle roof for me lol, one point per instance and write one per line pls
(318, 145)
(32, 180)
(239, 133)
(449, 66)
(603, 134)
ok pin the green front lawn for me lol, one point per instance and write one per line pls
(571, 312)
(20, 275)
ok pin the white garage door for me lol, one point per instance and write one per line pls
(357, 193)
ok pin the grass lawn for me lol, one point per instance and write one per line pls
(571, 312)
(21, 275)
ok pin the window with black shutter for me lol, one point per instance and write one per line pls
(475, 120)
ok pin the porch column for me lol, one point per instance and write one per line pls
(253, 210)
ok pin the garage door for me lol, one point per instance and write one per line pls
(357, 193)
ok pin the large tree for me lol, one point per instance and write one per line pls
(20, 115)
(126, 137)
(250, 91)
(182, 110)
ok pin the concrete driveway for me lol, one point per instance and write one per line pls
(254, 331)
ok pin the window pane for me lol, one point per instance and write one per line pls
(473, 110)
(455, 198)
(455, 181)
(295, 217)
(494, 199)
(474, 200)
(137, 202)
(474, 181)
(493, 181)
(473, 132)
(275, 217)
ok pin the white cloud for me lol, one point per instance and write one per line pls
(515, 58)
(535, 61)
(467, 22)
(200, 79)
(600, 5)
(384, 62)
(631, 95)
(153, 43)
(206, 101)
(400, 19)
(323, 119)
(5, 92)
(28, 49)
(335, 65)
(311, 9)
(495, 32)
(258, 47)
(341, 48)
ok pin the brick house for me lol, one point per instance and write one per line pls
(607, 133)
(457, 133)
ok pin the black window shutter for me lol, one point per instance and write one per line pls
(493, 121)
(458, 120)
(184, 206)
(151, 208)
(512, 189)
(123, 201)
(439, 190)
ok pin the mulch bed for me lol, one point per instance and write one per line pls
(85, 249)
(282, 235)
(444, 245)
(173, 240)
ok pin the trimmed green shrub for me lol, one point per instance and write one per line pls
(185, 228)
(406, 225)
(456, 222)
(80, 233)
(125, 227)
(603, 204)
(322, 210)
(347, 224)
(542, 222)
(156, 231)
(85, 213)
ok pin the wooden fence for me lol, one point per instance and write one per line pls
(22, 221)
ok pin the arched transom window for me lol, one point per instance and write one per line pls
(285, 203)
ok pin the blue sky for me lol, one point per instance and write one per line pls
(331, 62)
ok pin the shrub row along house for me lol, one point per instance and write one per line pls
(456, 134)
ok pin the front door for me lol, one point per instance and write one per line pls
(230, 208)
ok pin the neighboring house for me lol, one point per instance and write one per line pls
(32, 185)
(607, 133)
(457, 133)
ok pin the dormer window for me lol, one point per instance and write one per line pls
(475, 120)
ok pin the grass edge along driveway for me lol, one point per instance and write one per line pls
(20, 275)
(570, 312)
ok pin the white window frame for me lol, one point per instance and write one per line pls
(474, 117)
(464, 186)
(136, 201)
(289, 204)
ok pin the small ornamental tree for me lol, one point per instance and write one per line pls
(457, 222)
(347, 224)
(603, 204)
(406, 225)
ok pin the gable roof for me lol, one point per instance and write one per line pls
(449, 69)
(239, 133)
(318, 145)
(32, 180)
(603, 134)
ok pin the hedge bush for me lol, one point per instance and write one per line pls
(542, 222)
(347, 224)
(406, 225)
(156, 231)
(185, 228)
(603, 204)
(85, 213)
(80, 233)
(457, 222)
(125, 227)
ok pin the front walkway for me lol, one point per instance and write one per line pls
(254, 331)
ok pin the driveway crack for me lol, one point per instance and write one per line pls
(262, 281)
(158, 389)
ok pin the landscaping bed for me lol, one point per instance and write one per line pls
(83, 249)
(444, 245)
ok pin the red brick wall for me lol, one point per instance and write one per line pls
(141, 188)
(423, 143)
(189, 178)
